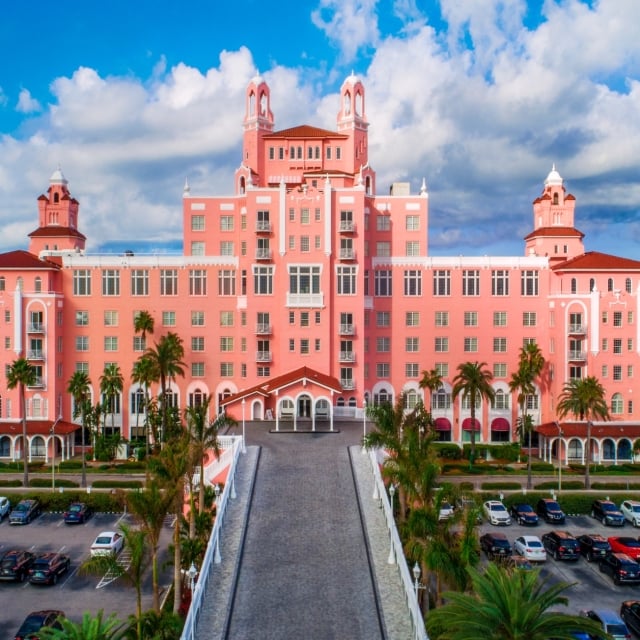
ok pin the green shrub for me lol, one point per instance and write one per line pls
(543, 467)
(448, 450)
(46, 482)
(70, 465)
(615, 486)
(466, 486)
(120, 484)
(10, 483)
(500, 486)
(569, 485)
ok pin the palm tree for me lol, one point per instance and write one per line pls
(473, 381)
(143, 324)
(133, 572)
(79, 386)
(21, 374)
(585, 399)
(166, 356)
(111, 385)
(144, 373)
(90, 628)
(150, 507)
(432, 381)
(510, 605)
(531, 364)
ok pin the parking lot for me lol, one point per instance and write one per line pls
(74, 594)
(592, 589)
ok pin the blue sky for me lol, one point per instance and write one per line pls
(479, 97)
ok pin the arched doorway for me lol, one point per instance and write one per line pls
(304, 406)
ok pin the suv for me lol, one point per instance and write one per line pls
(550, 511)
(621, 568)
(24, 512)
(495, 545)
(15, 565)
(607, 512)
(611, 623)
(38, 620)
(593, 546)
(561, 545)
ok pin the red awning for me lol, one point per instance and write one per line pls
(500, 424)
(471, 424)
(442, 424)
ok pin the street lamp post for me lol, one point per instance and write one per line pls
(560, 435)
(244, 447)
(192, 573)
(216, 490)
(587, 475)
(417, 585)
(364, 425)
(392, 555)
(52, 431)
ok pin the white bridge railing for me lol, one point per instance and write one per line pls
(233, 447)
(380, 492)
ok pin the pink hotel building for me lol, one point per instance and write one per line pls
(306, 293)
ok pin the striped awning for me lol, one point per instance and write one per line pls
(471, 424)
(442, 424)
(500, 424)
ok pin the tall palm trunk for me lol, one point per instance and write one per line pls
(25, 446)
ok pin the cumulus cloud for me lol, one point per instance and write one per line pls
(26, 103)
(478, 102)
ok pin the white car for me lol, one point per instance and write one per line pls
(446, 511)
(496, 512)
(108, 542)
(531, 548)
(631, 511)
(5, 507)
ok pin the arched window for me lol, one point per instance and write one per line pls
(37, 284)
(441, 400)
(352, 402)
(555, 198)
(411, 399)
(592, 284)
(317, 153)
(617, 404)
(137, 401)
(196, 398)
(466, 402)
(610, 284)
(56, 198)
(340, 401)
(310, 153)
(242, 185)
(299, 153)
(574, 285)
(171, 399)
(252, 104)
(574, 450)
(501, 400)
(382, 397)
(627, 285)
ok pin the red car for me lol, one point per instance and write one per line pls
(625, 544)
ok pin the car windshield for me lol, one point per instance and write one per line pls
(7, 563)
(630, 542)
(617, 630)
(533, 543)
(21, 507)
(499, 542)
(608, 506)
(635, 508)
(525, 508)
(497, 507)
(553, 506)
(600, 544)
(41, 564)
(32, 624)
(103, 540)
(74, 508)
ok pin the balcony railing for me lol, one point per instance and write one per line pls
(347, 384)
(263, 254)
(263, 226)
(38, 383)
(577, 355)
(36, 327)
(347, 254)
(263, 329)
(305, 300)
(347, 356)
(577, 328)
(347, 329)
(263, 356)
(347, 226)
(36, 354)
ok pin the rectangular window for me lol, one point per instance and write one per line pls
(168, 282)
(442, 318)
(383, 319)
(304, 346)
(412, 318)
(470, 318)
(226, 248)
(139, 343)
(529, 319)
(82, 367)
(82, 318)
(139, 282)
(383, 249)
(197, 282)
(226, 343)
(292, 317)
(471, 345)
(382, 279)
(110, 318)
(441, 282)
(499, 369)
(617, 345)
(168, 318)
(383, 223)
(470, 282)
(292, 344)
(617, 318)
(617, 372)
(346, 280)
(263, 372)
(605, 371)
(82, 343)
(111, 343)
(292, 243)
(304, 215)
(499, 345)
(529, 283)
(110, 282)
(500, 282)
(197, 343)
(226, 318)
(263, 280)
(442, 368)
(605, 317)
(197, 369)
(499, 318)
(629, 344)
(412, 370)
(605, 344)
(383, 344)
(226, 282)
(441, 344)
(382, 369)
(81, 282)
(629, 317)
(412, 344)
(304, 244)
(304, 279)
(197, 318)
(412, 248)
(412, 223)
(197, 223)
(629, 371)
(226, 223)
(412, 282)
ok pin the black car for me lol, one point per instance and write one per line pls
(621, 568)
(607, 512)
(15, 565)
(36, 620)
(593, 546)
(561, 545)
(495, 545)
(48, 567)
(77, 513)
(523, 514)
(630, 613)
(25, 511)
(550, 511)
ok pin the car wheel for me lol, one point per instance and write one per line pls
(556, 555)
(616, 580)
(28, 519)
(604, 521)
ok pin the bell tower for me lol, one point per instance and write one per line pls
(352, 121)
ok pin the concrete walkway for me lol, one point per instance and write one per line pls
(314, 560)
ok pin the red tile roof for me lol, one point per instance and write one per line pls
(596, 261)
(306, 131)
(38, 427)
(579, 430)
(56, 232)
(555, 232)
(24, 260)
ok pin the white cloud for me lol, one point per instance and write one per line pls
(26, 103)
